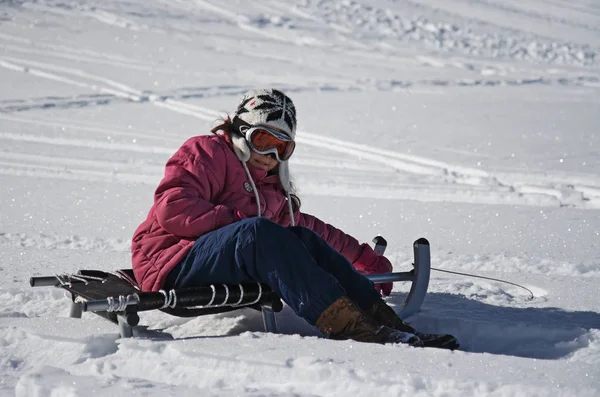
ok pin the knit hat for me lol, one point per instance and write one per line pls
(268, 108)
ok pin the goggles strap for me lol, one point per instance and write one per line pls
(240, 126)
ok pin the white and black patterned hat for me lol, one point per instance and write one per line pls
(269, 108)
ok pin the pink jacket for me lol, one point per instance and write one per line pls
(204, 186)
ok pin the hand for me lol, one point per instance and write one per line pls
(370, 263)
(384, 266)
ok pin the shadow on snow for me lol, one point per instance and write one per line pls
(533, 332)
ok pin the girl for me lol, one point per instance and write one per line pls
(226, 212)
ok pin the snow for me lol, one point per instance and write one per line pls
(474, 124)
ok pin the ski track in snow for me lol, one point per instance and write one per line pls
(440, 181)
(445, 182)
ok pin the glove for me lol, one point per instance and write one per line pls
(370, 263)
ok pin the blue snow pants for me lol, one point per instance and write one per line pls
(302, 268)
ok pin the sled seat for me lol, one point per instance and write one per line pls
(116, 297)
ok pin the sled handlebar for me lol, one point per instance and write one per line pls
(391, 277)
(44, 281)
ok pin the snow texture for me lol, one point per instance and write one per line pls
(472, 123)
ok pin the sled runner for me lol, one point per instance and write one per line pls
(116, 296)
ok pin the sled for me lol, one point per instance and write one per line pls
(116, 296)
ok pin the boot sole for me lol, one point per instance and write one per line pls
(443, 342)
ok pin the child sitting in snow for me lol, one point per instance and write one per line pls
(226, 212)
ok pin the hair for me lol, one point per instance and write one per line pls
(225, 124)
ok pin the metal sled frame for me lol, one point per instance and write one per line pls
(419, 276)
(115, 295)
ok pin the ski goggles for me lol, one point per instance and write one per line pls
(265, 140)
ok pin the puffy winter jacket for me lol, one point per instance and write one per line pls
(204, 186)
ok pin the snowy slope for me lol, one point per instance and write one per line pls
(474, 124)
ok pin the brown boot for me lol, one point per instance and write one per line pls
(344, 320)
(385, 315)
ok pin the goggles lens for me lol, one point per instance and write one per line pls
(265, 141)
